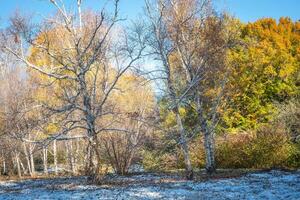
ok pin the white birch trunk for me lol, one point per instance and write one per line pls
(4, 167)
(27, 159)
(76, 159)
(4, 163)
(210, 152)
(45, 160)
(55, 157)
(22, 166)
(72, 159)
(185, 149)
(69, 156)
(18, 165)
(31, 160)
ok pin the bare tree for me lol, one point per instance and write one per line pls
(18, 121)
(86, 55)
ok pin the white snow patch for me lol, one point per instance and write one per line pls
(261, 186)
(7, 183)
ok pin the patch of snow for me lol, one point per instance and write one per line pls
(136, 168)
(7, 183)
(264, 186)
(142, 193)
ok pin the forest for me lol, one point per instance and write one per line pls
(183, 88)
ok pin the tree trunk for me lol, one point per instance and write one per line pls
(55, 157)
(95, 147)
(210, 153)
(27, 159)
(88, 159)
(209, 142)
(45, 160)
(23, 168)
(76, 156)
(68, 155)
(183, 141)
(18, 165)
(70, 158)
(4, 164)
(4, 167)
(93, 169)
(185, 149)
(31, 160)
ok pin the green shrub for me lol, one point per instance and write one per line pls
(269, 147)
(294, 158)
(230, 151)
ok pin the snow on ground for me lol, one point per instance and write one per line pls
(269, 185)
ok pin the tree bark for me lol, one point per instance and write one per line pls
(55, 157)
(72, 159)
(184, 146)
(45, 160)
(88, 159)
(76, 156)
(210, 152)
(27, 159)
(31, 160)
(209, 142)
(70, 155)
(23, 168)
(4, 167)
(95, 148)
(18, 165)
(93, 169)
(4, 163)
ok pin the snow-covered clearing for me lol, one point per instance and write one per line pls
(268, 185)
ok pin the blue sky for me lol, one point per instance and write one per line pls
(251, 10)
(246, 10)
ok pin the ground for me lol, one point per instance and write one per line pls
(265, 185)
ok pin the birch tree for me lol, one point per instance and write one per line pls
(191, 42)
(162, 48)
(18, 119)
(86, 55)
